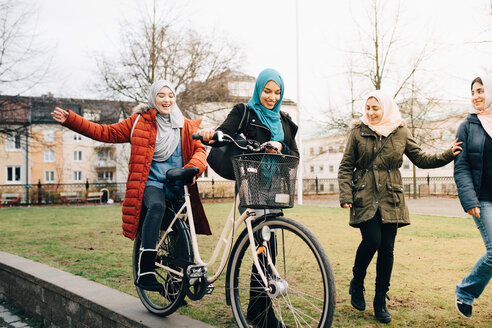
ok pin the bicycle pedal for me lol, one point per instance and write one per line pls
(209, 290)
(196, 271)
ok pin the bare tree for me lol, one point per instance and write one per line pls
(156, 49)
(23, 61)
(23, 64)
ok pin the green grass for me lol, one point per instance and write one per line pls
(431, 256)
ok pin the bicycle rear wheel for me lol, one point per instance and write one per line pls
(303, 266)
(173, 253)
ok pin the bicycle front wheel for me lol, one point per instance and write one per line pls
(303, 295)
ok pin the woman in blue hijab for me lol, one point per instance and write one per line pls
(262, 121)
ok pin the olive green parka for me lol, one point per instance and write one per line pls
(381, 186)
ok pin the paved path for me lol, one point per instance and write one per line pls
(427, 205)
(10, 320)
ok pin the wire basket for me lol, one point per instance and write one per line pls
(265, 180)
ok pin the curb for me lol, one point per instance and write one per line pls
(62, 299)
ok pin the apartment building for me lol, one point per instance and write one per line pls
(37, 149)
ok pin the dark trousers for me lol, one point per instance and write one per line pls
(379, 237)
(154, 201)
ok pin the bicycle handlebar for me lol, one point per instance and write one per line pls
(251, 145)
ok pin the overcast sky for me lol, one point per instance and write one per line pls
(75, 30)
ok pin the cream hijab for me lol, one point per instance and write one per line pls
(391, 114)
(168, 126)
(485, 116)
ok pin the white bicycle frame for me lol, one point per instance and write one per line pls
(224, 241)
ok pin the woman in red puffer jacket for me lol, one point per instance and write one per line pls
(160, 139)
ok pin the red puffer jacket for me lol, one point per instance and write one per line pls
(142, 140)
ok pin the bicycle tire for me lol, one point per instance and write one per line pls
(301, 261)
(176, 244)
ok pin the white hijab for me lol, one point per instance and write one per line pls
(168, 126)
(391, 114)
(485, 116)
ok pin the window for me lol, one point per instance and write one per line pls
(340, 149)
(320, 149)
(311, 151)
(77, 137)
(77, 176)
(49, 135)
(331, 168)
(321, 187)
(331, 150)
(332, 187)
(105, 155)
(14, 142)
(49, 176)
(49, 156)
(321, 168)
(13, 174)
(77, 156)
(406, 165)
(105, 176)
(311, 169)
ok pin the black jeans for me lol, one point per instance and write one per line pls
(154, 201)
(379, 237)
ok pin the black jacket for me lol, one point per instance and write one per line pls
(468, 164)
(255, 130)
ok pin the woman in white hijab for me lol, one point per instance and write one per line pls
(473, 176)
(371, 186)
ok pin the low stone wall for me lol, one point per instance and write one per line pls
(61, 299)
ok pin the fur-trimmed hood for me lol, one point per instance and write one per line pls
(140, 109)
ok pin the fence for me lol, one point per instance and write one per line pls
(45, 194)
(425, 186)
(52, 193)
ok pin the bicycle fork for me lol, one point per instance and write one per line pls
(276, 286)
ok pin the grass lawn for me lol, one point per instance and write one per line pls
(431, 256)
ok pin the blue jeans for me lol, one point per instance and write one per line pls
(474, 283)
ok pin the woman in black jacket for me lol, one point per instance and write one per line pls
(473, 176)
(265, 123)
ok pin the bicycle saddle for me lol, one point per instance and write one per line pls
(182, 176)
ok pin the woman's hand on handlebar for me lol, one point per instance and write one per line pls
(276, 147)
(207, 135)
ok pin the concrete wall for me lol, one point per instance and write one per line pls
(61, 299)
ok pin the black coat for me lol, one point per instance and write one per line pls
(256, 130)
(468, 164)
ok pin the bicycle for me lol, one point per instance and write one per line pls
(275, 260)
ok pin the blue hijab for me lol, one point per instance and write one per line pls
(269, 117)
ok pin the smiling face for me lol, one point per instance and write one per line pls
(270, 95)
(374, 111)
(478, 96)
(165, 100)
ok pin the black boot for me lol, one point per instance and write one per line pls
(260, 308)
(146, 271)
(380, 311)
(356, 291)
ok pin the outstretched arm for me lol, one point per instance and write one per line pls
(114, 133)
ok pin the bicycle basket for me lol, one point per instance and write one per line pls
(265, 180)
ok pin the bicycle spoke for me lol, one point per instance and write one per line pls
(304, 294)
